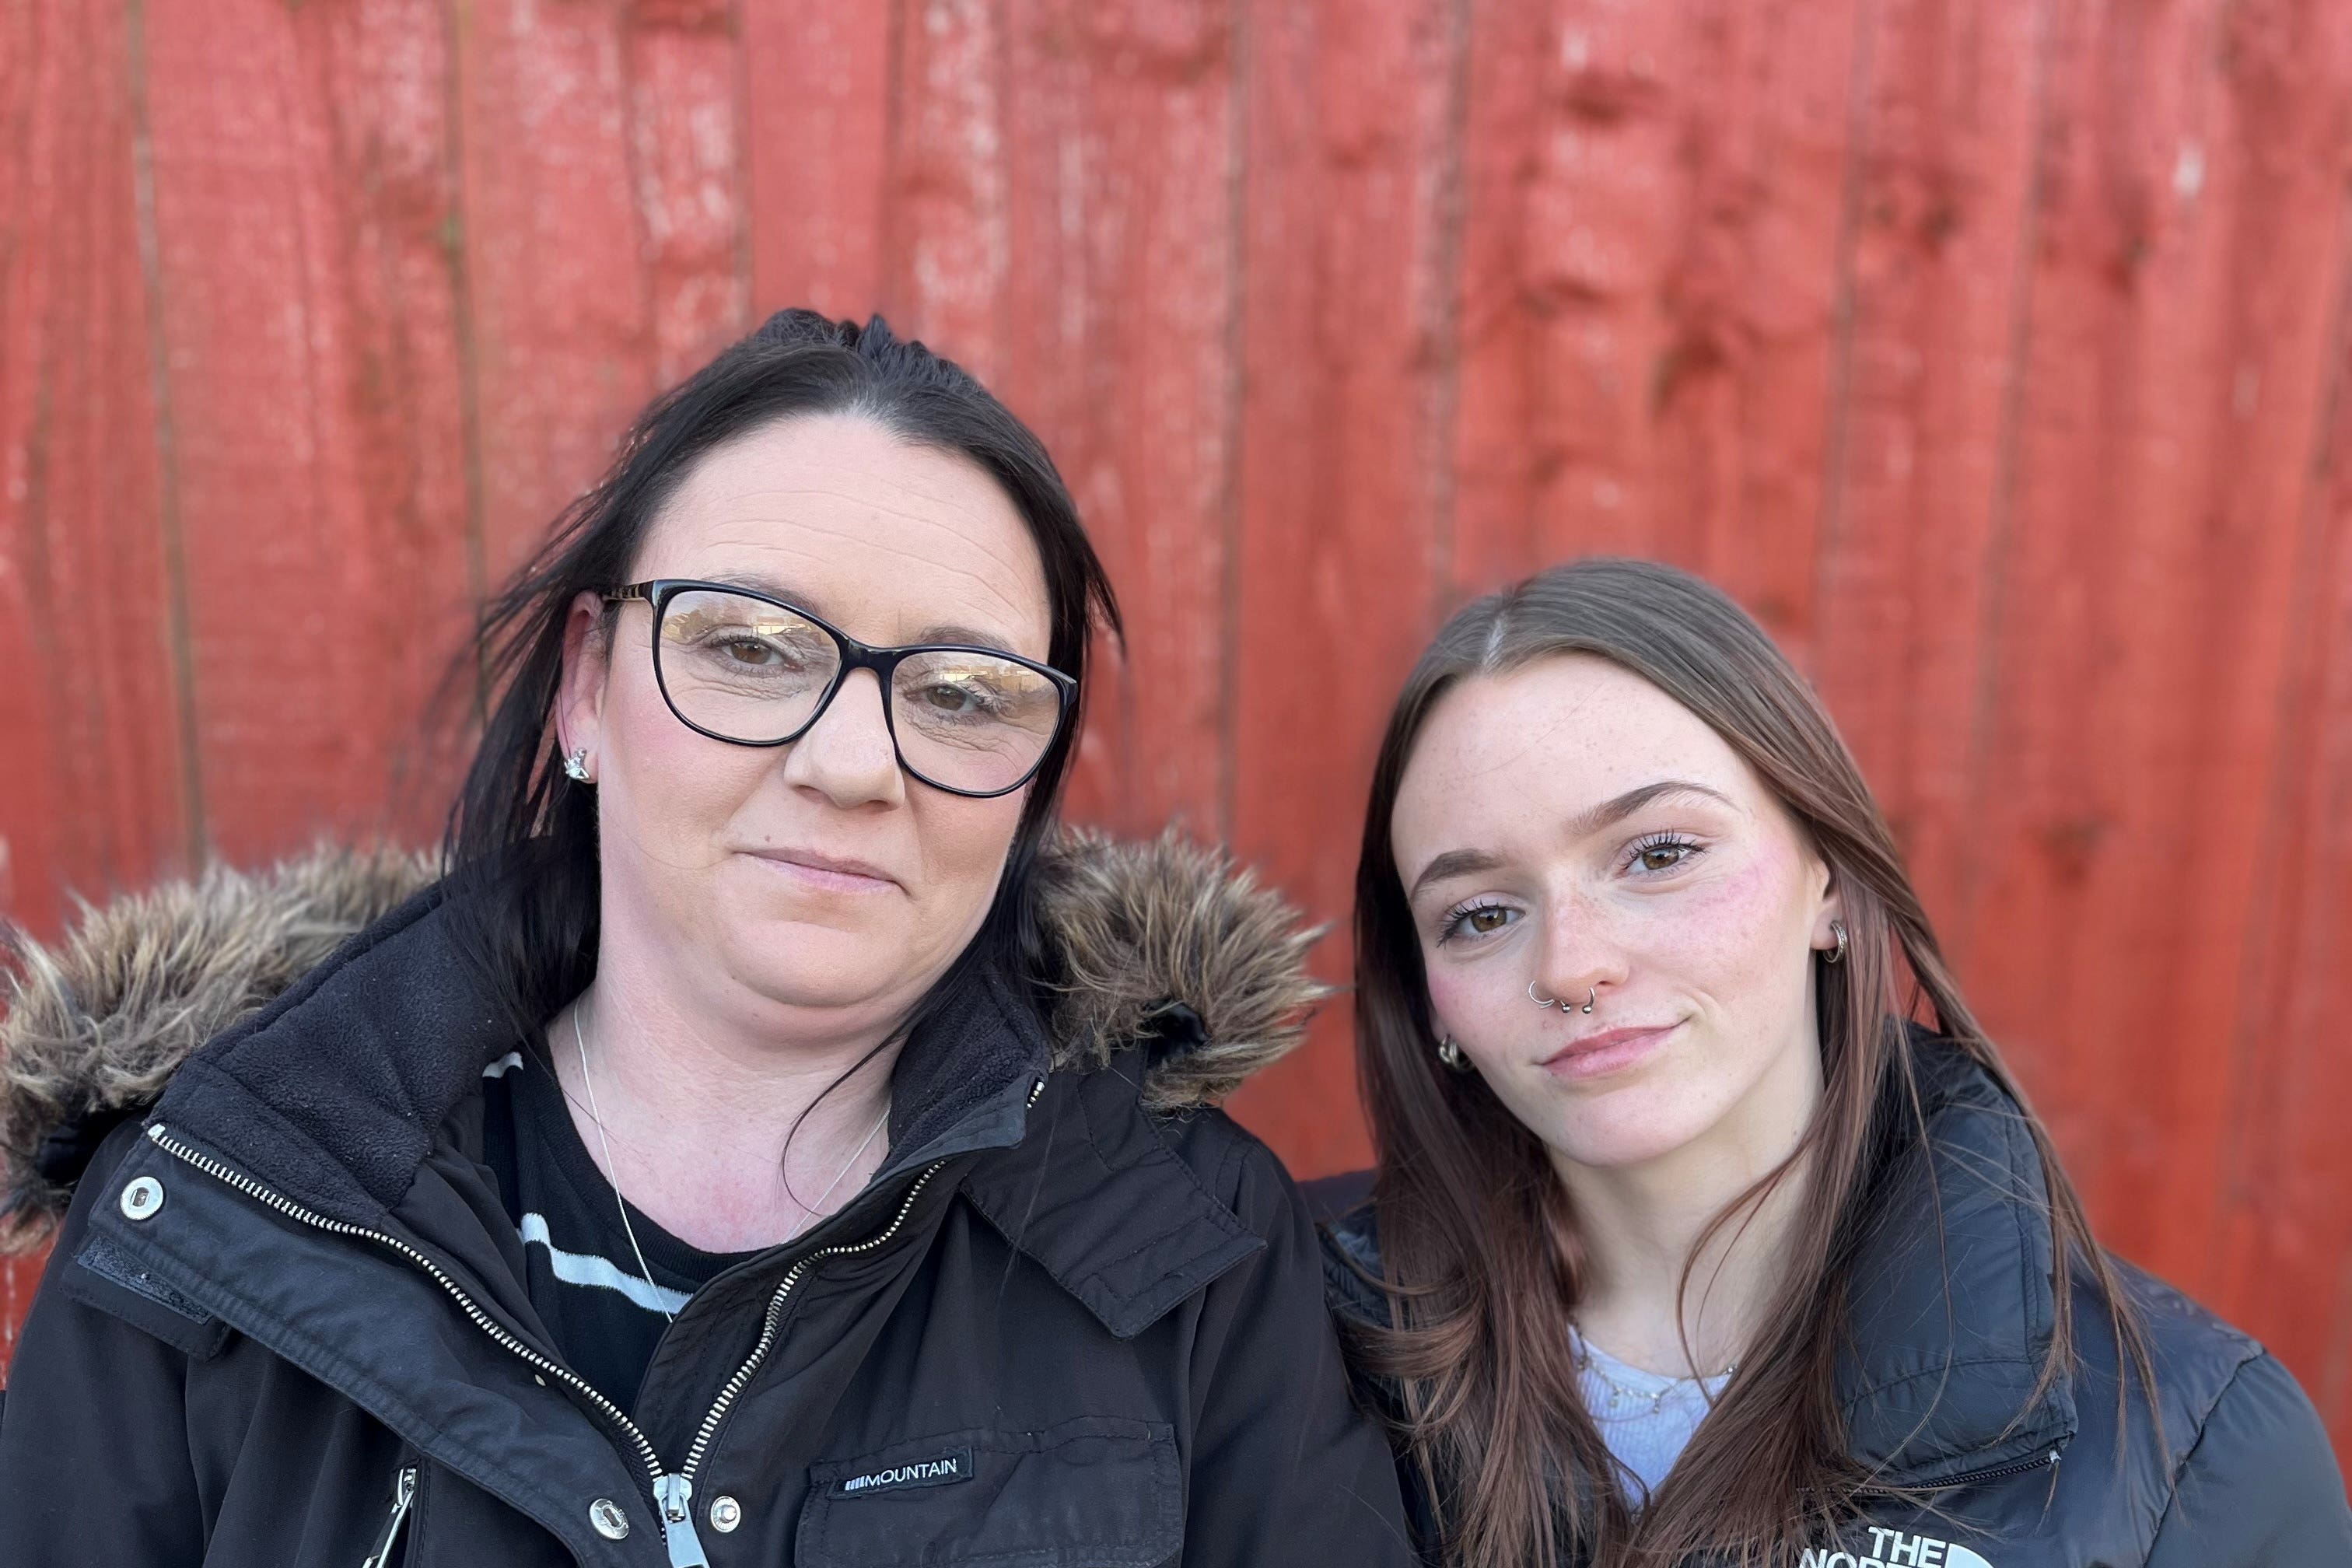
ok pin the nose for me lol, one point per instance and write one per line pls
(1579, 962)
(847, 755)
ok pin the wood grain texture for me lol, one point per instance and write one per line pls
(1994, 353)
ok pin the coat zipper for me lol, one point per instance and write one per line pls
(2047, 1462)
(672, 1493)
(403, 1493)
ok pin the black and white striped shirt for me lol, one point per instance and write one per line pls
(606, 1314)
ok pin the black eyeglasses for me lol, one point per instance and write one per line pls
(753, 671)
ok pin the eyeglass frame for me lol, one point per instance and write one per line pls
(657, 591)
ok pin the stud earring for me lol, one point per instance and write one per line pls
(1835, 954)
(575, 766)
(1452, 1055)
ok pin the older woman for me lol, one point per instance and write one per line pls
(760, 1148)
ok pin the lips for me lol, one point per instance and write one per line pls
(840, 872)
(1606, 1050)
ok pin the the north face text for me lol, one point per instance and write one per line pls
(1893, 1549)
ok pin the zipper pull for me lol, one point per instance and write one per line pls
(676, 1495)
(403, 1493)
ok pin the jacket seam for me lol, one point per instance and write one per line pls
(2189, 1456)
(1877, 1389)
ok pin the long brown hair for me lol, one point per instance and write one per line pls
(1479, 1248)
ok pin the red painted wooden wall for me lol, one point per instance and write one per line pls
(1991, 350)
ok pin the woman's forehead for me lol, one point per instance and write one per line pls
(888, 539)
(1550, 742)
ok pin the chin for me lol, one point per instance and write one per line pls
(1623, 1130)
(807, 965)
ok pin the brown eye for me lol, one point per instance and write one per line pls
(1487, 919)
(1663, 854)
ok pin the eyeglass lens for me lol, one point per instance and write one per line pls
(747, 671)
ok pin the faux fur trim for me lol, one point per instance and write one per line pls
(95, 1028)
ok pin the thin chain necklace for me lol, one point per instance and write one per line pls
(588, 1081)
(1588, 1359)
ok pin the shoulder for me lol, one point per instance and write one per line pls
(2259, 1482)
(2241, 1444)
(1232, 1166)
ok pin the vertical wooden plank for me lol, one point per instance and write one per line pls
(2281, 1264)
(2188, 295)
(947, 204)
(1350, 109)
(555, 256)
(1580, 202)
(300, 204)
(1942, 258)
(1121, 135)
(2281, 1249)
(818, 100)
(90, 789)
(90, 722)
(685, 130)
(1747, 391)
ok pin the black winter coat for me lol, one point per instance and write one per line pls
(1938, 1386)
(1075, 1319)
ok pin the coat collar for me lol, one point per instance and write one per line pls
(1949, 1295)
(318, 1012)
(1096, 1198)
(1949, 1305)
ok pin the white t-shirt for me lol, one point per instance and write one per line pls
(1645, 1418)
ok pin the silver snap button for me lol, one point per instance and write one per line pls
(610, 1521)
(725, 1513)
(143, 1199)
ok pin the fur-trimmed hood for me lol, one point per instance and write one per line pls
(93, 1029)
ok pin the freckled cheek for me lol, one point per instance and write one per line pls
(1475, 1001)
(1723, 936)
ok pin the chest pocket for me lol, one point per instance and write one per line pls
(1100, 1491)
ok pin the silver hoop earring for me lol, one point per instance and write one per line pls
(1591, 994)
(575, 766)
(1835, 954)
(1452, 1055)
(1540, 1001)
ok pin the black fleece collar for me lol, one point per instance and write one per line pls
(334, 1094)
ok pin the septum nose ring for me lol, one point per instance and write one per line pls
(1591, 993)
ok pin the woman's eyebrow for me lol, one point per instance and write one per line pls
(1465, 862)
(1617, 808)
(774, 587)
(946, 632)
(1453, 863)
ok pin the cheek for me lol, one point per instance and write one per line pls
(1463, 1001)
(1727, 932)
(663, 785)
(963, 844)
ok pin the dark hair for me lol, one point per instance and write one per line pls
(1479, 1245)
(522, 841)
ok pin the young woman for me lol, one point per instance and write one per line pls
(1686, 1244)
(766, 1147)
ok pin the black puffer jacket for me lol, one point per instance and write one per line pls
(1938, 1389)
(1075, 1319)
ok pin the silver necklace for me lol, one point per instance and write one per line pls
(588, 1082)
(1586, 1361)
